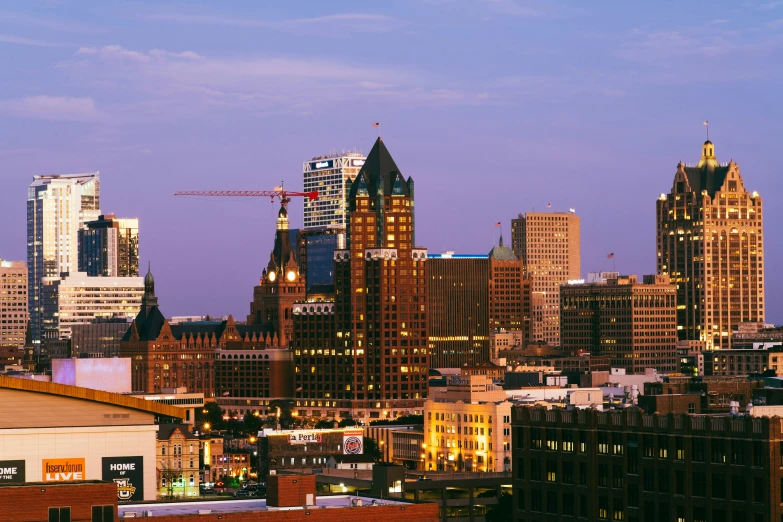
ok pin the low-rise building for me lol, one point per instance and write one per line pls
(303, 450)
(177, 461)
(467, 427)
(357, 462)
(743, 362)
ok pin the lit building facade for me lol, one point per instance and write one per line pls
(548, 243)
(458, 310)
(100, 338)
(13, 305)
(331, 176)
(110, 247)
(57, 207)
(710, 242)
(468, 427)
(177, 461)
(316, 246)
(78, 298)
(509, 292)
(375, 360)
(632, 323)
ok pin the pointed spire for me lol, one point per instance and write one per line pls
(149, 300)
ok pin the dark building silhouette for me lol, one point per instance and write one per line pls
(316, 247)
(378, 362)
(109, 247)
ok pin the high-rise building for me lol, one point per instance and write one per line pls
(633, 323)
(628, 465)
(509, 292)
(13, 303)
(99, 338)
(548, 243)
(331, 176)
(458, 310)
(378, 362)
(710, 243)
(77, 299)
(57, 207)
(110, 247)
(280, 286)
(316, 246)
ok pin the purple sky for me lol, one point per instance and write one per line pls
(493, 106)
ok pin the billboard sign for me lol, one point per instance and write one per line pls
(357, 163)
(128, 474)
(11, 471)
(305, 437)
(353, 442)
(63, 470)
(318, 165)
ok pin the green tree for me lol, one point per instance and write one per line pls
(402, 420)
(502, 511)
(324, 424)
(212, 414)
(252, 423)
(371, 448)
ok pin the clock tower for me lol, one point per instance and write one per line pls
(280, 286)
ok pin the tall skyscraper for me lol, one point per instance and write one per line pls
(548, 243)
(57, 207)
(316, 246)
(509, 292)
(110, 247)
(710, 243)
(331, 176)
(633, 323)
(13, 306)
(379, 361)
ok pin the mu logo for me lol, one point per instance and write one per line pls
(125, 489)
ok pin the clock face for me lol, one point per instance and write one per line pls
(272, 276)
(291, 275)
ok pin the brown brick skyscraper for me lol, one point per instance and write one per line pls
(710, 244)
(380, 360)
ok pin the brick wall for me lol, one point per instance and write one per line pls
(31, 502)
(289, 490)
(389, 513)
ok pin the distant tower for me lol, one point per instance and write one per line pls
(709, 230)
(281, 284)
(109, 247)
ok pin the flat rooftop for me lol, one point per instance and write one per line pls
(243, 506)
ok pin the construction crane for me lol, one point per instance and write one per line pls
(278, 192)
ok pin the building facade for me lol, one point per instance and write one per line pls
(380, 360)
(468, 427)
(316, 246)
(458, 310)
(743, 362)
(109, 247)
(331, 176)
(548, 243)
(629, 466)
(710, 242)
(13, 309)
(78, 298)
(57, 207)
(632, 323)
(509, 292)
(161, 359)
(100, 338)
(177, 462)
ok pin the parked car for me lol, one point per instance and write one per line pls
(244, 493)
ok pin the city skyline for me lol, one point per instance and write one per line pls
(525, 138)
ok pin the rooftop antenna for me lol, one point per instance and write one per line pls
(707, 125)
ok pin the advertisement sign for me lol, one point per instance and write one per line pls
(63, 470)
(357, 162)
(128, 474)
(318, 165)
(11, 471)
(305, 437)
(353, 442)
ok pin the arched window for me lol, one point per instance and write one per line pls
(191, 479)
(163, 450)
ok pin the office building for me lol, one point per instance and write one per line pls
(13, 309)
(316, 246)
(710, 242)
(633, 323)
(630, 466)
(468, 427)
(373, 359)
(458, 310)
(110, 247)
(743, 361)
(548, 243)
(100, 338)
(58, 206)
(331, 176)
(509, 292)
(78, 299)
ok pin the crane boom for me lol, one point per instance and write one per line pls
(282, 194)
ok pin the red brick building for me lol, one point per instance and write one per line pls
(380, 356)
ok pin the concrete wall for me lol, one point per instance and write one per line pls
(102, 373)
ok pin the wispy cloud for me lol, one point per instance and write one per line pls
(16, 40)
(160, 82)
(27, 20)
(361, 22)
(52, 108)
